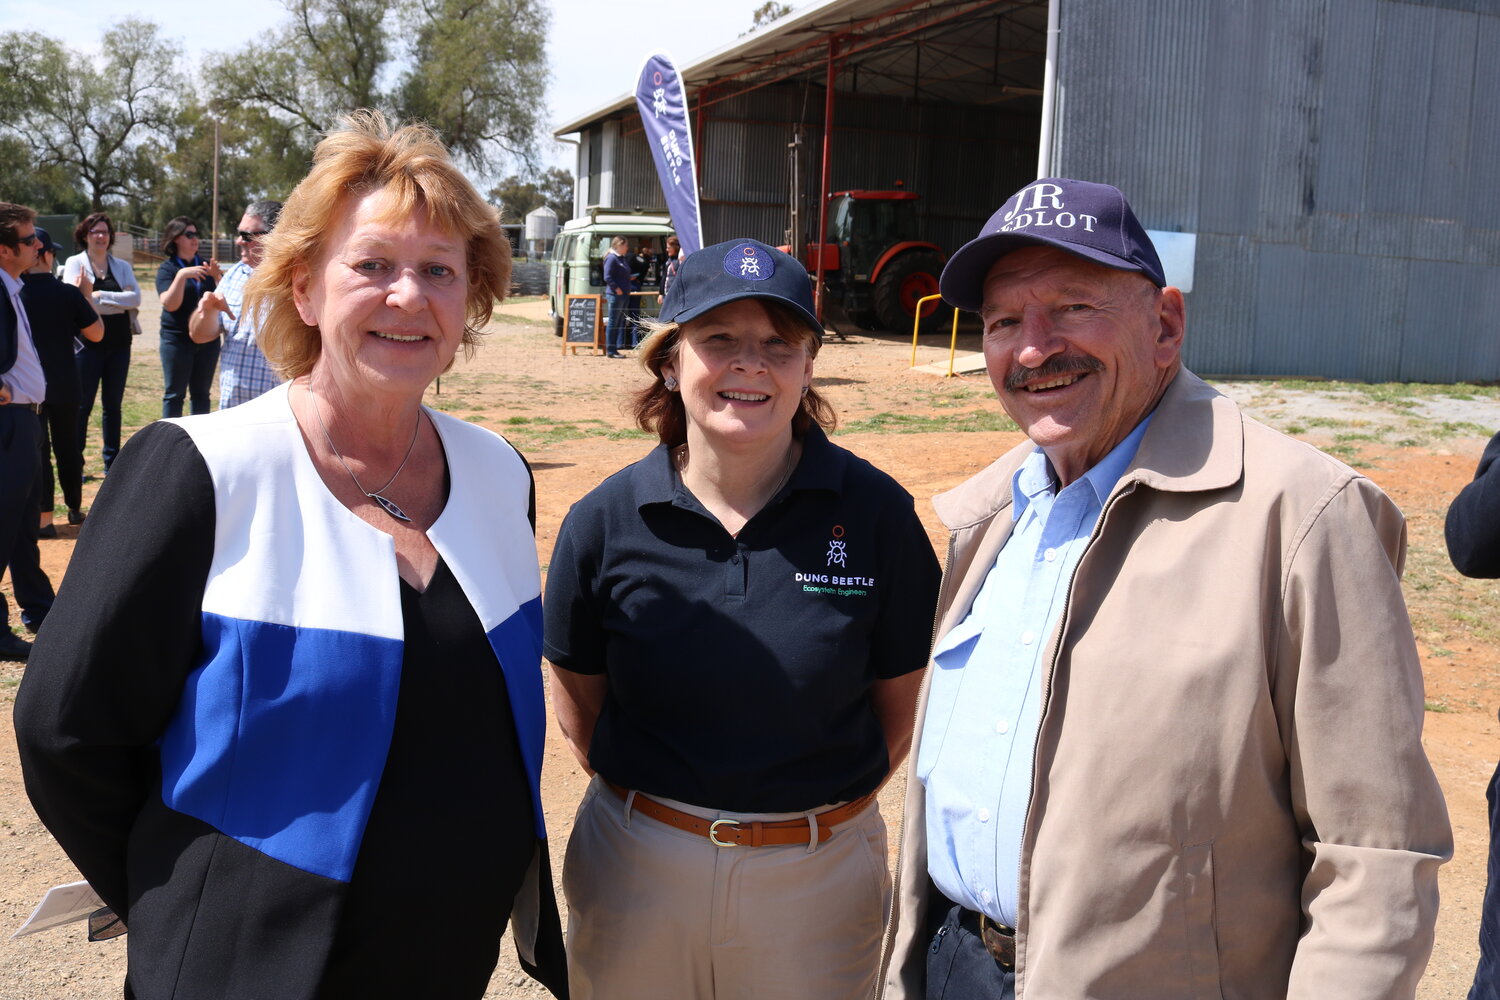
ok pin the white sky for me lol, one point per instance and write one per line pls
(595, 49)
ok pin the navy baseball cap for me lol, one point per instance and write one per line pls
(46, 240)
(738, 269)
(1093, 221)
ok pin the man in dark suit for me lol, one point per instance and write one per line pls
(23, 388)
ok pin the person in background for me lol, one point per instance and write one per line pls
(616, 295)
(641, 264)
(287, 716)
(23, 387)
(670, 265)
(110, 285)
(244, 372)
(184, 278)
(1473, 535)
(737, 625)
(1171, 739)
(61, 320)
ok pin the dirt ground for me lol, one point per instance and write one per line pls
(564, 412)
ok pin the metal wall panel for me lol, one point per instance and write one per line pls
(1338, 159)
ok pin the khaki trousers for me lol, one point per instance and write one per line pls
(656, 913)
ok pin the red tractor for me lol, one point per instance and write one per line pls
(871, 269)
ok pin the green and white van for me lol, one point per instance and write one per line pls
(577, 265)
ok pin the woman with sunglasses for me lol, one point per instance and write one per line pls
(181, 281)
(110, 284)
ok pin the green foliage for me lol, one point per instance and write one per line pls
(102, 121)
(767, 12)
(517, 196)
(475, 70)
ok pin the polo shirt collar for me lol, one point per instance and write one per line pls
(821, 467)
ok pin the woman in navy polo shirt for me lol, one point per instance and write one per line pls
(737, 624)
(183, 279)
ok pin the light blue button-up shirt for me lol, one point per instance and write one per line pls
(984, 706)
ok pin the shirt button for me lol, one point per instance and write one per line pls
(1050, 555)
(1028, 637)
(984, 815)
(1002, 726)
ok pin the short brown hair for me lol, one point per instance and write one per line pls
(12, 216)
(81, 231)
(659, 410)
(173, 230)
(364, 155)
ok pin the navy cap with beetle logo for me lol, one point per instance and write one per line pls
(738, 269)
(1089, 220)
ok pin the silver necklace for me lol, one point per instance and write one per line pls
(389, 506)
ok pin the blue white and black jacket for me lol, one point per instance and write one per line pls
(206, 716)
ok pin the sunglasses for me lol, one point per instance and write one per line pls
(27, 240)
(191, 234)
(250, 237)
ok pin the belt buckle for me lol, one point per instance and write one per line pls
(1000, 941)
(713, 832)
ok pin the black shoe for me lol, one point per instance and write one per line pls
(615, 354)
(48, 530)
(76, 516)
(13, 647)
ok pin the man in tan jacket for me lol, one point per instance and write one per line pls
(1169, 745)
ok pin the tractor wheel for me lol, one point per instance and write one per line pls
(903, 281)
(557, 326)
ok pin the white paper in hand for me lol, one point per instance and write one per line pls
(62, 904)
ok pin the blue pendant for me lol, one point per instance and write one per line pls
(389, 507)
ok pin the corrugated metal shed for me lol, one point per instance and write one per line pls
(1337, 159)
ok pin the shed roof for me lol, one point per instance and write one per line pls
(960, 51)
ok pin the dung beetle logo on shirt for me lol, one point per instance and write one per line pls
(828, 583)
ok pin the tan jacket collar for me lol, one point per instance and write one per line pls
(1195, 442)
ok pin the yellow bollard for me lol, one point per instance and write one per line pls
(916, 325)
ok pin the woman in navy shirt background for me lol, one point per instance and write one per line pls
(180, 282)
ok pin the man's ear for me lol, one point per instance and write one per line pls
(1172, 317)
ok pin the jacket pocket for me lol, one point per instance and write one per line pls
(1195, 894)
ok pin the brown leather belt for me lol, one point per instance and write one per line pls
(999, 940)
(739, 833)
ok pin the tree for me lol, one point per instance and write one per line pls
(765, 14)
(517, 196)
(101, 122)
(473, 69)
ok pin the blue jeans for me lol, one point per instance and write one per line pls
(960, 968)
(104, 368)
(187, 368)
(614, 332)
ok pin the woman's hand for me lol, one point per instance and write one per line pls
(171, 299)
(214, 270)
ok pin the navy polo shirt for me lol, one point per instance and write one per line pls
(740, 667)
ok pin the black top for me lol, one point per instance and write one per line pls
(176, 321)
(443, 854)
(56, 311)
(116, 325)
(740, 667)
(1473, 527)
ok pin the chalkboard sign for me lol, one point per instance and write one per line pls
(583, 326)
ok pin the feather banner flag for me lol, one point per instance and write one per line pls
(663, 102)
